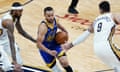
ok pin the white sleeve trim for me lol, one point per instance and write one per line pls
(7, 17)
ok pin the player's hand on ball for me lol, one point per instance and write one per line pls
(53, 52)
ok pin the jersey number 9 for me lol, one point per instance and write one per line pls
(99, 27)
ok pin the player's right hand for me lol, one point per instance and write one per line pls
(66, 46)
(52, 52)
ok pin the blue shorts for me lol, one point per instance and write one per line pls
(51, 60)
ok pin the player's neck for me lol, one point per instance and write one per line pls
(105, 12)
(49, 22)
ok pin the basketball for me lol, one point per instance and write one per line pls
(61, 37)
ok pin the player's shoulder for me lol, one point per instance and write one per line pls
(7, 16)
(42, 28)
(42, 24)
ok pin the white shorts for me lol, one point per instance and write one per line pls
(7, 49)
(5, 63)
(6, 54)
(108, 53)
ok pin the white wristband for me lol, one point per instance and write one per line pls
(81, 38)
(17, 8)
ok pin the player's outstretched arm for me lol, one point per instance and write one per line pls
(22, 31)
(83, 36)
(42, 30)
(78, 40)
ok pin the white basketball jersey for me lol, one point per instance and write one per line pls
(103, 25)
(3, 31)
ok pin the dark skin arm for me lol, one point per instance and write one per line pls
(22, 32)
(8, 24)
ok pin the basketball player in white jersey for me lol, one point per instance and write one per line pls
(103, 28)
(7, 41)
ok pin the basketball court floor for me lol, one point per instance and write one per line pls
(81, 57)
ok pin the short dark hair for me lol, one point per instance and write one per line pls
(16, 4)
(105, 6)
(48, 9)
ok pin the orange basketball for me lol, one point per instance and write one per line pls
(61, 37)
